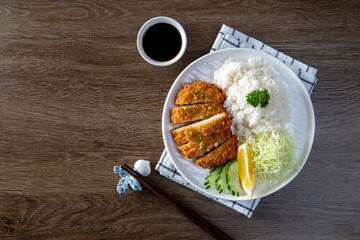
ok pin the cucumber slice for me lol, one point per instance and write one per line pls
(233, 180)
(221, 184)
(211, 178)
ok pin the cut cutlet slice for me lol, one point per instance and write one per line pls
(199, 92)
(201, 129)
(220, 155)
(196, 148)
(195, 112)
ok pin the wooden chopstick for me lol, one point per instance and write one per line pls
(194, 217)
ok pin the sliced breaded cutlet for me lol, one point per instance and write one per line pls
(199, 92)
(202, 129)
(195, 112)
(220, 155)
(196, 148)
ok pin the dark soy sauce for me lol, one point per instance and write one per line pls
(162, 42)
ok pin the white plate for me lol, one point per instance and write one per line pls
(302, 121)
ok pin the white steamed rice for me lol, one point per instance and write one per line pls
(238, 79)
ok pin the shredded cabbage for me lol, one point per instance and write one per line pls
(273, 154)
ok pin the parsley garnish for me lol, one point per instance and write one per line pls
(256, 97)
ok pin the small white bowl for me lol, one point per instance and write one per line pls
(150, 23)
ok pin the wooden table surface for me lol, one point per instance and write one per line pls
(76, 98)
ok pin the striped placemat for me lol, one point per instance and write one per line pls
(231, 38)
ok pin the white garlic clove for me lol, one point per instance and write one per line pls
(143, 167)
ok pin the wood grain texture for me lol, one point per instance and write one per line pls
(76, 99)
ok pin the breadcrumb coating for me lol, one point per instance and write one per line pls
(225, 152)
(195, 112)
(196, 148)
(202, 129)
(199, 92)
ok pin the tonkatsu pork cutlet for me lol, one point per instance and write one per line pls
(199, 92)
(195, 112)
(202, 129)
(196, 148)
(220, 155)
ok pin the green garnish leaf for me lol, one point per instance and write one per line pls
(201, 146)
(207, 146)
(210, 107)
(190, 133)
(209, 124)
(186, 107)
(206, 95)
(197, 92)
(199, 139)
(258, 97)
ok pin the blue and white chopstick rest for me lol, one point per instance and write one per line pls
(141, 166)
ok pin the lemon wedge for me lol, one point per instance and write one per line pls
(245, 167)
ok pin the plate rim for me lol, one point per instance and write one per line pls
(303, 92)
